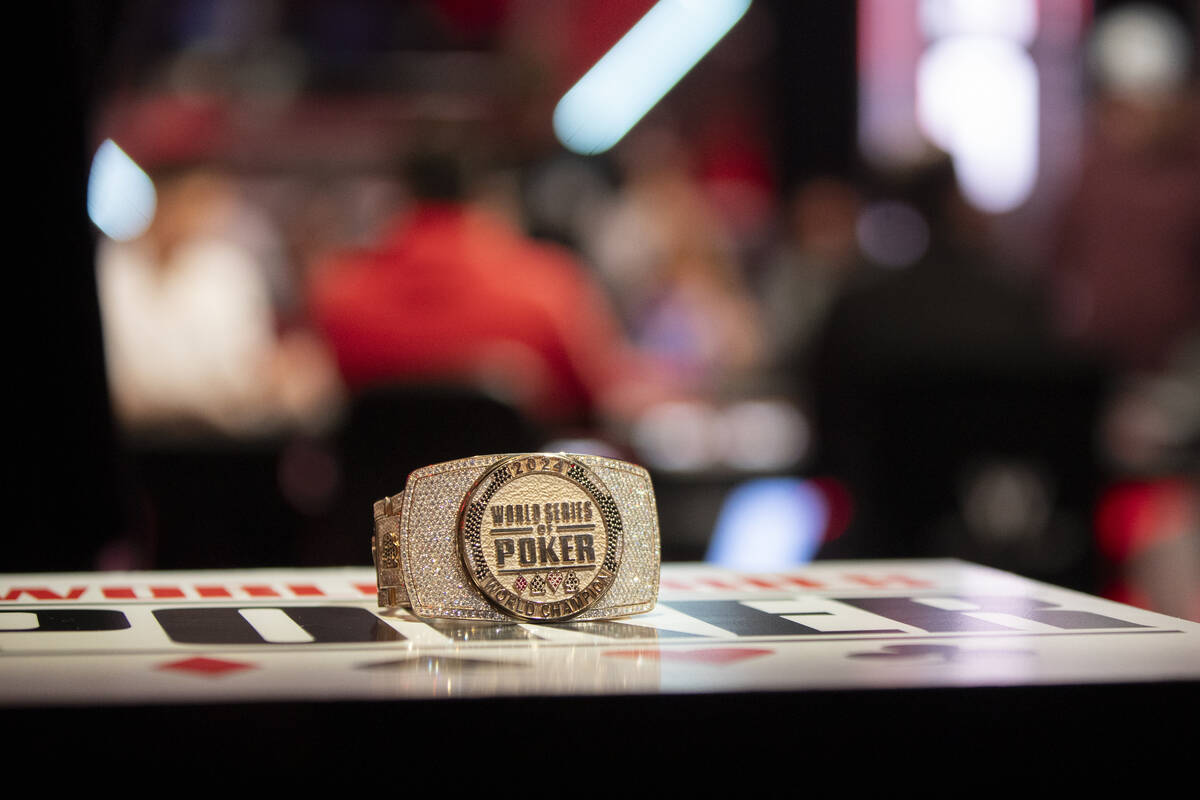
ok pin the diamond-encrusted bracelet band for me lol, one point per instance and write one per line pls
(535, 537)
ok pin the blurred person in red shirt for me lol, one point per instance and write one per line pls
(454, 294)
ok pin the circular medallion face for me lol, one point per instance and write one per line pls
(541, 537)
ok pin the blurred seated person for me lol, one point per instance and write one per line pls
(189, 327)
(1126, 277)
(816, 258)
(454, 295)
(671, 261)
(925, 372)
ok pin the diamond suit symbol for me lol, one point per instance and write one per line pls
(207, 667)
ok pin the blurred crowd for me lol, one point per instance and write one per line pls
(297, 336)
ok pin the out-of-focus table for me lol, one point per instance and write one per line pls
(878, 651)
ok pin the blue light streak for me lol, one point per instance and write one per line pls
(642, 67)
(120, 196)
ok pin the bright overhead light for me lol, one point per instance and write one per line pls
(120, 196)
(977, 97)
(1014, 20)
(642, 67)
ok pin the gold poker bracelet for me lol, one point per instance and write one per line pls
(534, 537)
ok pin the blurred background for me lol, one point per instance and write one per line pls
(874, 279)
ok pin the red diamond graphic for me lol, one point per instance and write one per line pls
(210, 667)
(717, 656)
